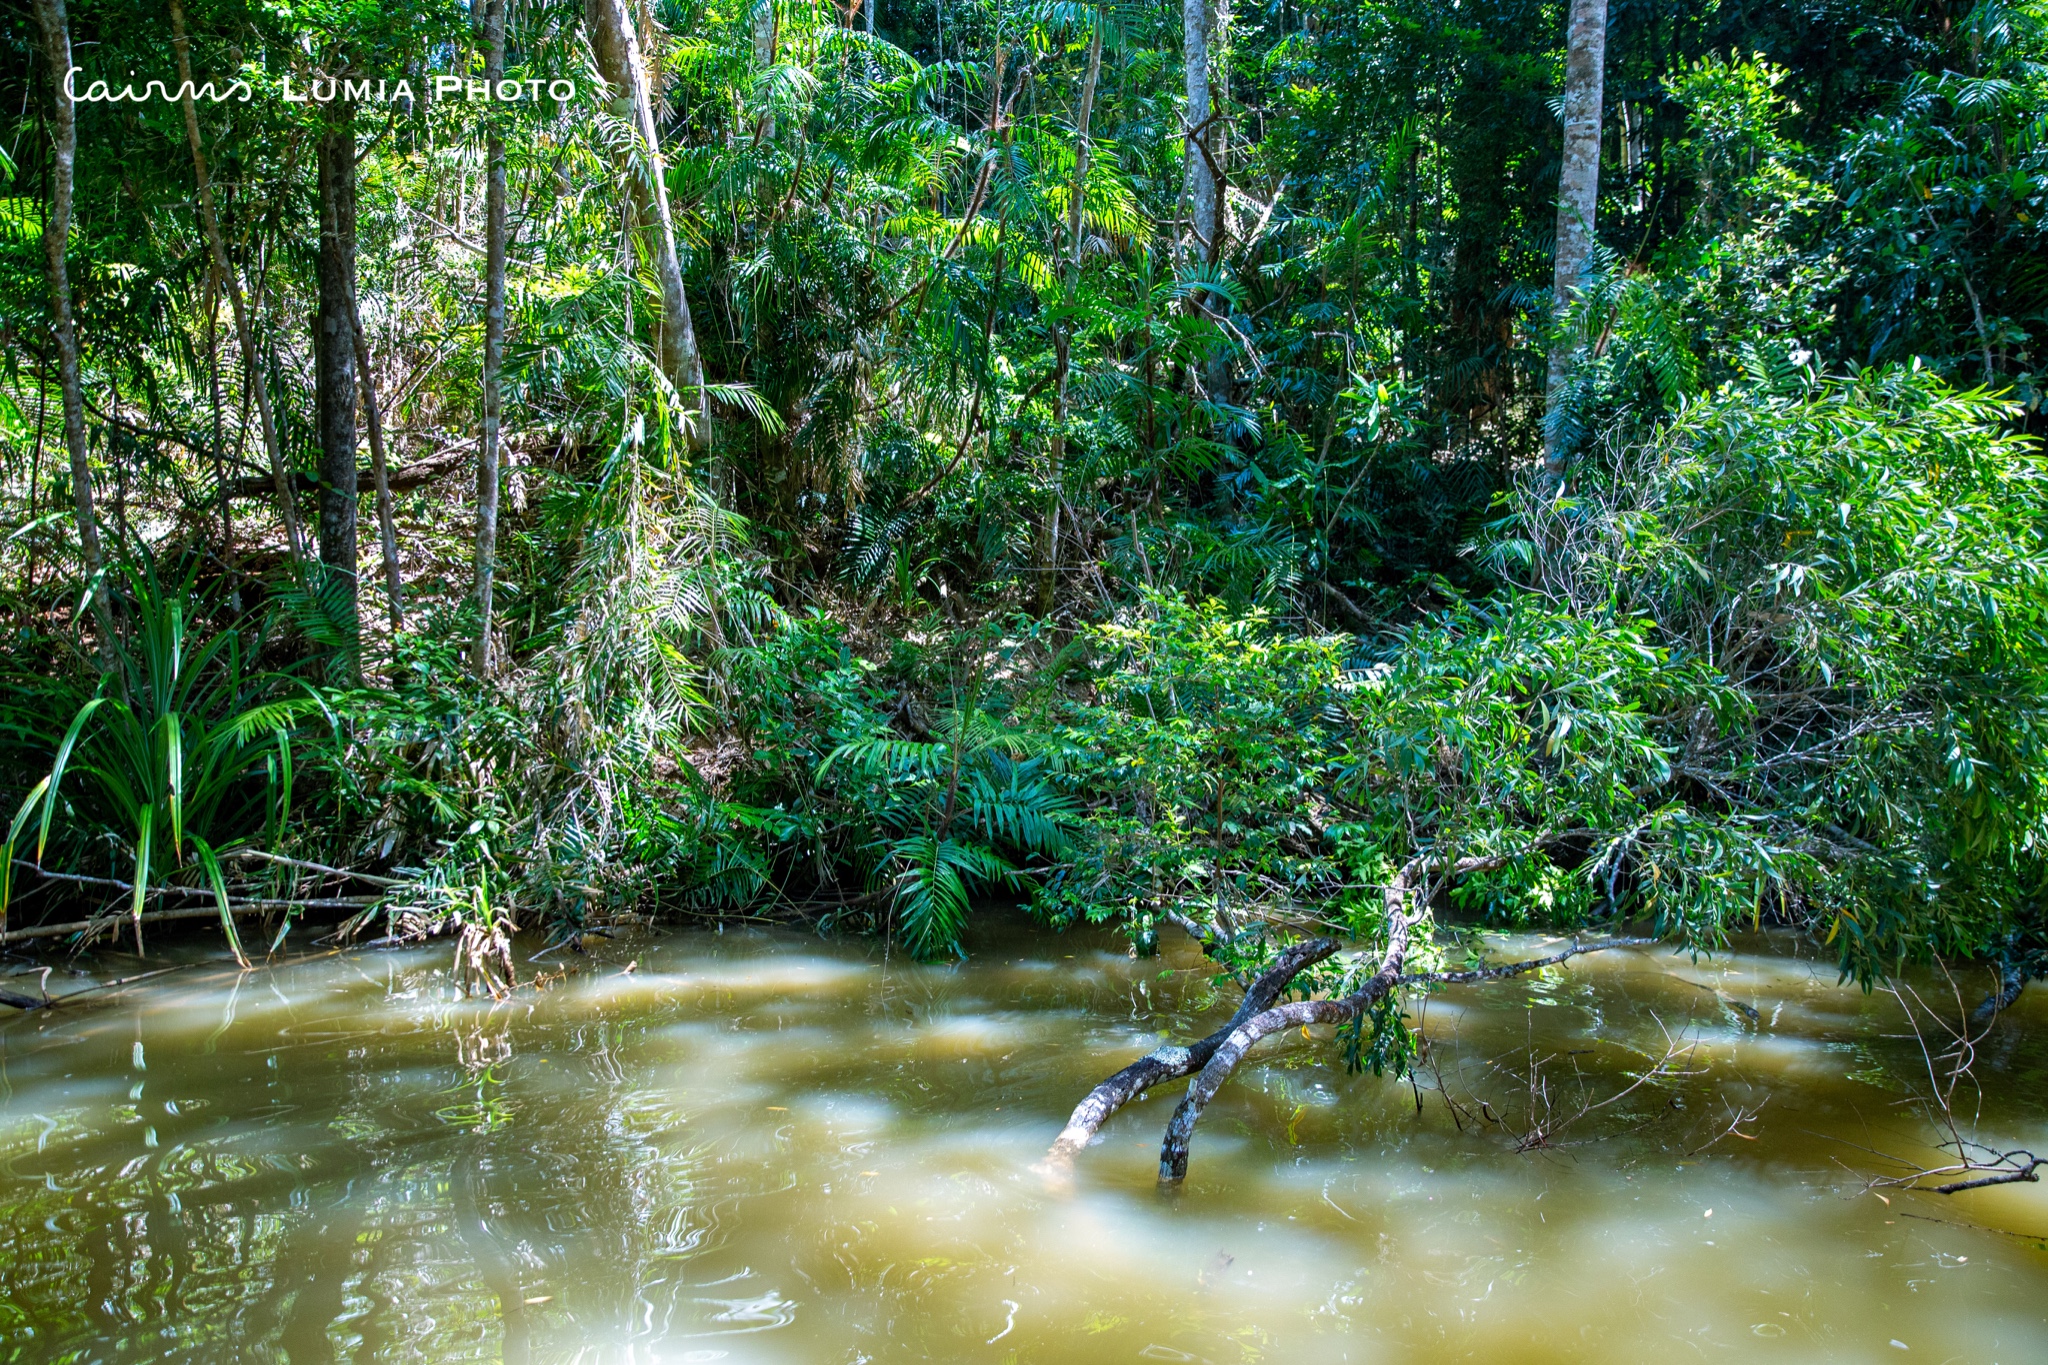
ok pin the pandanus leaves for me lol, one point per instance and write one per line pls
(194, 749)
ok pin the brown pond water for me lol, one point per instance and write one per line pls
(761, 1146)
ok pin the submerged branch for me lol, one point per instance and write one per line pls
(1171, 1063)
(1180, 1130)
(1508, 969)
(1212, 1060)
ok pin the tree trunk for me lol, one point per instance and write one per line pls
(1578, 195)
(1081, 149)
(2012, 979)
(1206, 34)
(617, 51)
(1048, 575)
(380, 467)
(1205, 28)
(56, 234)
(764, 31)
(244, 335)
(219, 434)
(334, 352)
(1198, 175)
(494, 352)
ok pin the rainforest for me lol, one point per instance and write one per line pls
(774, 680)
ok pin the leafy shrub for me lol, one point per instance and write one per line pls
(184, 752)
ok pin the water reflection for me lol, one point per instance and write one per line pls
(759, 1147)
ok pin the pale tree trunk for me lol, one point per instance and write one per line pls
(766, 24)
(617, 51)
(1082, 146)
(494, 353)
(1204, 25)
(56, 233)
(209, 224)
(1048, 578)
(334, 353)
(1578, 195)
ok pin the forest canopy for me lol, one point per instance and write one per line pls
(1380, 470)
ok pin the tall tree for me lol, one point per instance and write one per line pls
(617, 50)
(334, 351)
(1578, 195)
(56, 27)
(487, 472)
(209, 224)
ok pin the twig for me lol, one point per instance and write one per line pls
(268, 903)
(51, 1002)
(261, 856)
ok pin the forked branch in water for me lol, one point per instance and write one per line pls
(1172, 1063)
(1213, 1058)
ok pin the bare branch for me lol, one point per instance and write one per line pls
(1508, 969)
(1171, 1063)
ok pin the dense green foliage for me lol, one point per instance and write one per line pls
(1033, 552)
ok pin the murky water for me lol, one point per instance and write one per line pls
(764, 1147)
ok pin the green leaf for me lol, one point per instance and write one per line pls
(211, 865)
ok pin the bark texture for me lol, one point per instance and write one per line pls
(56, 28)
(1180, 1130)
(2012, 980)
(764, 29)
(1213, 1059)
(1171, 1063)
(334, 352)
(617, 50)
(1199, 180)
(487, 462)
(1578, 195)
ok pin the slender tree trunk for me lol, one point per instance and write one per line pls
(1578, 195)
(334, 351)
(764, 32)
(1205, 28)
(1062, 342)
(244, 334)
(1217, 163)
(494, 353)
(387, 531)
(1198, 178)
(617, 50)
(1206, 35)
(220, 468)
(214, 285)
(1082, 120)
(56, 234)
